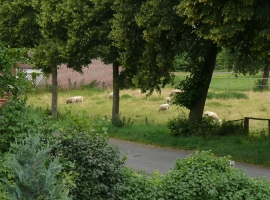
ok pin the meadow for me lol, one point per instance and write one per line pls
(138, 107)
(149, 125)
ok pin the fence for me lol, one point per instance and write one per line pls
(246, 124)
(229, 82)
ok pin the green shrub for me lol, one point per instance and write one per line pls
(5, 173)
(260, 86)
(34, 173)
(204, 176)
(126, 96)
(179, 126)
(226, 95)
(121, 122)
(208, 127)
(17, 119)
(99, 165)
(231, 128)
(81, 121)
(139, 186)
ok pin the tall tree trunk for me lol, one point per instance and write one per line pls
(196, 112)
(54, 93)
(265, 77)
(115, 105)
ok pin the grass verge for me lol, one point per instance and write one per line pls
(248, 149)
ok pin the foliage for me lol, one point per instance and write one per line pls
(81, 121)
(208, 127)
(5, 173)
(92, 85)
(17, 119)
(122, 122)
(236, 26)
(204, 176)
(9, 58)
(231, 128)
(34, 172)
(259, 86)
(227, 59)
(139, 186)
(148, 64)
(98, 164)
(226, 95)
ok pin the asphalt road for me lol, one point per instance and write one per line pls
(151, 158)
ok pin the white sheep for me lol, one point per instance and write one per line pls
(137, 92)
(163, 107)
(173, 92)
(111, 95)
(75, 99)
(168, 100)
(213, 115)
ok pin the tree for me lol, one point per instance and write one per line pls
(77, 33)
(19, 27)
(241, 27)
(150, 34)
(34, 172)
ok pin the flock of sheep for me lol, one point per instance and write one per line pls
(162, 107)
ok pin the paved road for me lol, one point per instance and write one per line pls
(151, 158)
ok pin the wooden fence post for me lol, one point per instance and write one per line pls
(246, 125)
(268, 126)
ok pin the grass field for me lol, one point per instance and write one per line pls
(138, 108)
(253, 149)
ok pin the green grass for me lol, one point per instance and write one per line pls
(247, 149)
(236, 103)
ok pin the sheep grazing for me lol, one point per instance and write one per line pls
(111, 95)
(173, 92)
(213, 115)
(168, 100)
(76, 99)
(137, 92)
(163, 107)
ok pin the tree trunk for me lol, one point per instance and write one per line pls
(54, 93)
(195, 113)
(265, 77)
(115, 105)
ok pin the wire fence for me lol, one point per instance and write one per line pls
(101, 74)
(239, 84)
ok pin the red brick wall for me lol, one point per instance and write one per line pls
(96, 71)
(3, 99)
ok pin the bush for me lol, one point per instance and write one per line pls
(34, 173)
(98, 164)
(204, 176)
(5, 173)
(17, 119)
(139, 185)
(208, 127)
(231, 128)
(179, 126)
(81, 121)
(121, 122)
